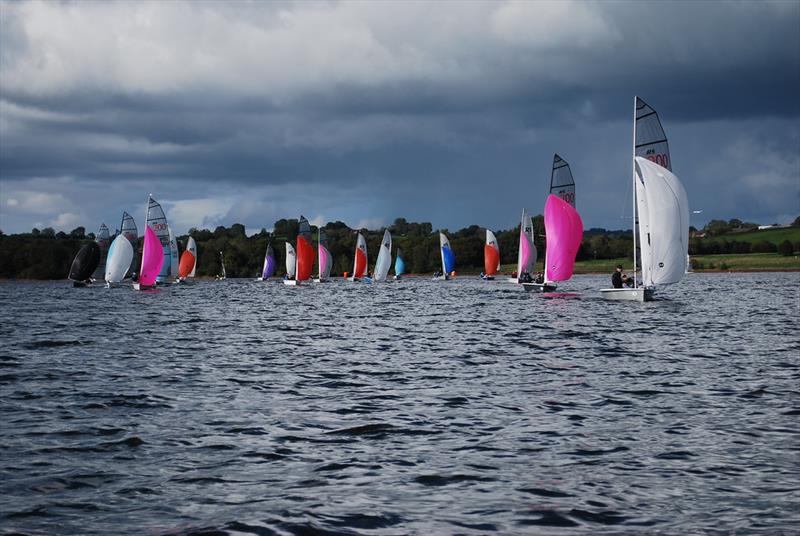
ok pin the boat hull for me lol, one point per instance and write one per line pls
(138, 286)
(539, 287)
(318, 280)
(627, 294)
(291, 282)
(487, 277)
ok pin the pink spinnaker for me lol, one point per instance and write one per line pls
(322, 253)
(152, 258)
(525, 248)
(564, 230)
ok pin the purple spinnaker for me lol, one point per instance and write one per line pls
(152, 258)
(564, 230)
(269, 267)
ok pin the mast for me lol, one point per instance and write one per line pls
(633, 187)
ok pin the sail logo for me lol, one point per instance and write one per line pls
(660, 159)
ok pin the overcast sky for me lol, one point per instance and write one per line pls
(366, 111)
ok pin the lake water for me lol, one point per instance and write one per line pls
(420, 407)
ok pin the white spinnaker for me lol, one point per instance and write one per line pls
(291, 260)
(173, 253)
(663, 223)
(491, 240)
(444, 242)
(651, 140)
(384, 260)
(120, 255)
(191, 247)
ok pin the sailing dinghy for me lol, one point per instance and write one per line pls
(157, 221)
(526, 257)
(84, 264)
(399, 265)
(152, 260)
(120, 255)
(384, 260)
(325, 258)
(563, 228)
(660, 211)
(291, 262)
(174, 269)
(448, 259)
(304, 254)
(491, 257)
(102, 239)
(188, 263)
(268, 269)
(360, 262)
(222, 275)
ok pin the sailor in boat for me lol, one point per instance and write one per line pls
(525, 277)
(437, 273)
(539, 278)
(616, 277)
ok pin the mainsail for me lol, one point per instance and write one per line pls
(448, 257)
(663, 208)
(360, 262)
(128, 229)
(399, 264)
(223, 274)
(120, 255)
(291, 260)
(651, 141)
(102, 239)
(268, 270)
(384, 260)
(564, 230)
(526, 258)
(188, 263)
(157, 221)
(325, 258)
(561, 182)
(85, 262)
(305, 251)
(491, 254)
(152, 258)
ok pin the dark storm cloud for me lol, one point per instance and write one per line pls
(416, 113)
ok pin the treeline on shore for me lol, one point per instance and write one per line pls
(46, 254)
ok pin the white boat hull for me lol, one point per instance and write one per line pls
(291, 282)
(640, 294)
(137, 286)
(321, 280)
(539, 287)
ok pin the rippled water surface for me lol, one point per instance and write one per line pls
(418, 407)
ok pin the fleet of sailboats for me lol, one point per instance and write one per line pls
(660, 238)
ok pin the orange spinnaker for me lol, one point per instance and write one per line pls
(361, 264)
(491, 258)
(186, 265)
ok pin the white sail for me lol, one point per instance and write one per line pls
(384, 261)
(561, 182)
(191, 247)
(526, 258)
(222, 265)
(651, 141)
(173, 254)
(444, 242)
(663, 223)
(291, 260)
(120, 255)
(491, 240)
